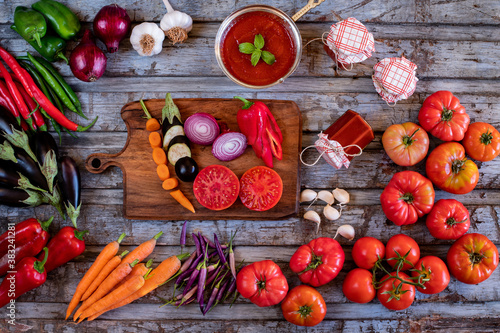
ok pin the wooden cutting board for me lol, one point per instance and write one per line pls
(143, 196)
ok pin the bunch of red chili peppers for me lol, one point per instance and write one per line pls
(19, 247)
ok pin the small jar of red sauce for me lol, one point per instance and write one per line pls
(281, 38)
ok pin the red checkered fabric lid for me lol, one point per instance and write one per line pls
(351, 41)
(395, 79)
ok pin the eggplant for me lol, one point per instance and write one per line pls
(47, 153)
(6, 120)
(171, 133)
(186, 169)
(14, 133)
(178, 148)
(71, 187)
(8, 177)
(20, 198)
(166, 126)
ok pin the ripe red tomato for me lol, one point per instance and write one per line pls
(482, 142)
(394, 298)
(472, 258)
(406, 144)
(318, 262)
(366, 252)
(449, 169)
(304, 306)
(442, 115)
(358, 286)
(261, 188)
(262, 283)
(436, 273)
(216, 187)
(401, 245)
(448, 219)
(408, 196)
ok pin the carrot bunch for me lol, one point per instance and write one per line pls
(112, 282)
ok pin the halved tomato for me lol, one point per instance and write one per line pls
(261, 188)
(216, 187)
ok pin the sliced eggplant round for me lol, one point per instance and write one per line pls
(171, 133)
(166, 125)
(178, 148)
(186, 169)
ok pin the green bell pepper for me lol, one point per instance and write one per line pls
(30, 24)
(61, 18)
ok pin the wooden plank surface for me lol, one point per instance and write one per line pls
(455, 45)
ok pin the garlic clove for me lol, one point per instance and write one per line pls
(346, 231)
(308, 195)
(331, 213)
(311, 215)
(326, 196)
(342, 196)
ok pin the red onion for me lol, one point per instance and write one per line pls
(201, 128)
(111, 25)
(87, 61)
(229, 145)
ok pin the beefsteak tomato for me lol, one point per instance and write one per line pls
(448, 219)
(402, 249)
(319, 261)
(216, 187)
(262, 283)
(358, 286)
(444, 117)
(434, 274)
(406, 144)
(472, 258)
(304, 306)
(449, 169)
(366, 251)
(408, 196)
(392, 295)
(260, 188)
(482, 142)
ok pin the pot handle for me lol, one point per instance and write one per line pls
(310, 5)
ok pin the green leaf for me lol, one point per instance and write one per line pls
(268, 57)
(258, 42)
(246, 48)
(256, 57)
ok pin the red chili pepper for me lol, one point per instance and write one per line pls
(7, 101)
(66, 245)
(261, 129)
(28, 274)
(19, 72)
(16, 95)
(33, 108)
(26, 239)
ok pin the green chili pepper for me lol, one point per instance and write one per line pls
(60, 18)
(58, 104)
(30, 24)
(52, 47)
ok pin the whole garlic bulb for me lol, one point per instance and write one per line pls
(147, 39)
(176, 24)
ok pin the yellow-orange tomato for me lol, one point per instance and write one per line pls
(304, 306)
(482, 142)
(406, 144)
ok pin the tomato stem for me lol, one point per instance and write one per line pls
(315, 262)
(447, 114)
(408, 140)
(486, 138)
(305, 310)
(407, 197)
(261, 284)
(457, 165)
(475, 258)
(451, 221)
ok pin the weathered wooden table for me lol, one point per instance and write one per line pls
(455, 46)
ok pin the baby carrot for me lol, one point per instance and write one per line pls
(170, 184)
(163, 172)
(128, 288)
(179, 196)
(159, 156)
(142, 251)
(102, 259)
(155, 140)
(108, 268)
(112, 280)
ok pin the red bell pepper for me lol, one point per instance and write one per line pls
(28, 274)
(66, 245)
(26, 240)
(261, 129)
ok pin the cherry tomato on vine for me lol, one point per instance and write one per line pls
(366, 252)
(392, 295)
(400, 246)
(304, 306)
(358, 286)
(435, 274)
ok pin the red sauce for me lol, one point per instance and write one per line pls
(278, 41)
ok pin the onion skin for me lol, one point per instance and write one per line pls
(191, 128)
(87, 61)
(111, 25)
(223, 139)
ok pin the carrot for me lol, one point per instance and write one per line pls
(143, 250)
(163, 172)
(112, 280)
(157, 277)
(108, 268)
(155, 140)
(159, 156)
(139, 269)
(102, 259)
(179, 196)
(152, 124)
(128, 288)
(170, 183)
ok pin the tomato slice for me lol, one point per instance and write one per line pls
(261, 188)
(216, 187)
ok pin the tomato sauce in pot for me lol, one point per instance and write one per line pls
(277, 38)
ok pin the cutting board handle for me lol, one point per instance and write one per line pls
(97, 163)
